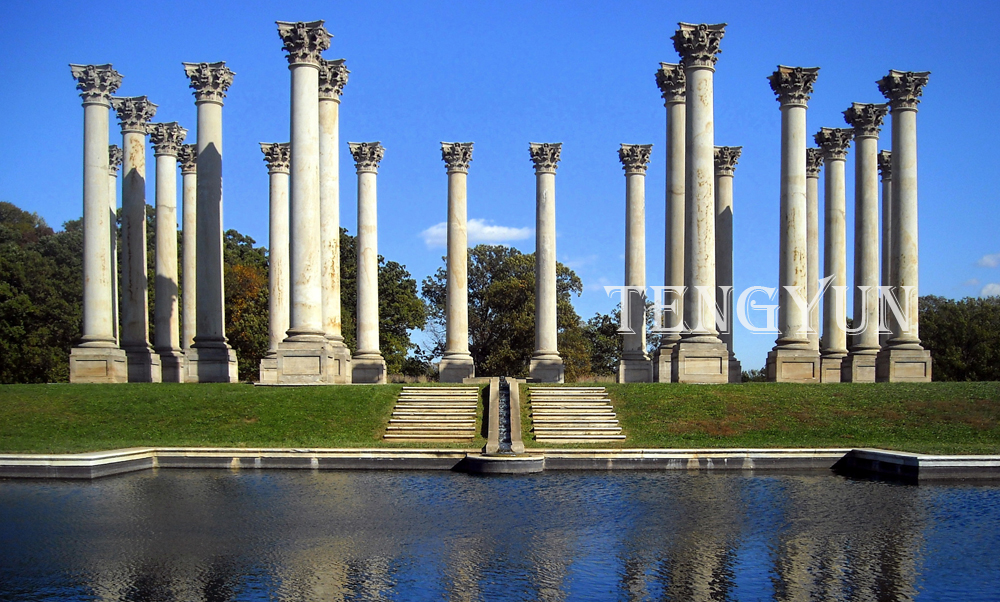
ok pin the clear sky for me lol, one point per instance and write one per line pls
(502, 74)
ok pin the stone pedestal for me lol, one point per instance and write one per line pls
(897, 365)
(546, 364)
(726, 158)
(276, 155)
(457, 364)
(793, 366)
(635, 366)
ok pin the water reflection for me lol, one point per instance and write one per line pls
(298, 535)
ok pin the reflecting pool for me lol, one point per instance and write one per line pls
(311, 535)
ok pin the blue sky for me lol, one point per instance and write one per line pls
(507, 73)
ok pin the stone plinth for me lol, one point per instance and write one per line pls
(896, 365)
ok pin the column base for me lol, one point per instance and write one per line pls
(338, 371)
(173, 366)
(211, 365)
(302, 363)
(857, 368)
(143, 365)
(829, 368)
(547, 370)
(700, 362)
(268, 370)
(456, 369)
(662, 372)
(635, 371)
(98, 365)
(903, 366)
(735, 371)
(368, 369)
(793, 366)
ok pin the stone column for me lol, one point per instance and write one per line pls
(96, 358)
(210, 358)
(833, 143)
(546, 364)
(700, 356)
(143, 365)
(635, 366)
(885, 171)
(903, 358)
(726, 158)
(276, 155)
(814, 162)
(457, 364)
(332, 79)
(303, 356)
(114, 164)
(793, 359)
(367, 363)
(167, 139)
(866, 119)
(187, 156)
(672, 83)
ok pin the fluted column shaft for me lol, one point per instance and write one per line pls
(332, 78)
(885, 169)
(278, 257)
(904, 225)
(165, 312)
(367, 251)
(726, 158)
(546, 325)
(835, 257)
(866, 250)
(814, 160)
(189, 268)
(98, 330)
(458, 257)
(210, 302)
(135, 306)
(793, 266)
(635, 158)
(114, 162)
(673, 84)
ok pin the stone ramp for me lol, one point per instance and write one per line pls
(573, 415)
(434, 414)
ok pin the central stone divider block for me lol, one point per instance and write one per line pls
(434, 414)
(573, 415)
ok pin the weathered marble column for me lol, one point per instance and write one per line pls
(367, 365)
(793, 359)
(114, 164)
(276, 155)
(134, 114)
(635, 366)
(814, 162)
(210, 358)
(700, 356)
(97, 358)
(672, 83)
(903, 358)
(885, 171)
(303, 356)
(833, 142)
(726, 158)
(457, 364)
(332, 79)
(167, 139)
(866, 119)
(187, 157)
(546, 364)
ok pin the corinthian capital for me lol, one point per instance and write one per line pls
(367, 155)
(545, 155)
(332, 78)
(814, 162)
(698, 45)
(114, 159)
(635, 157)
(209, 80)
(866, 119)
(834, 142)
(885, 164)
(672, 82)
(304, 41)
(167, 138)
(187, 157)
(456, 155)
(96, 82)
(726, 158)
(277, 155)
(903, 89)
(793, 85)
(134, 113)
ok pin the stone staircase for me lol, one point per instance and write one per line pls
(573, 415)
(434, 414)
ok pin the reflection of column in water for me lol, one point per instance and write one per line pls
(465, 564)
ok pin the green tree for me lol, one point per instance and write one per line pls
(246, 300)
(962, 336)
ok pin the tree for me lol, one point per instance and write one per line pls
(962, 336)
(246, 301)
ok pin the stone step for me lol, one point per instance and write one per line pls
(577, 429)
(575, 439)
(426, 436)
(589, 421)
(432, 406)
(569, 404)
(571, 412)
(445, 421)
(430, 429)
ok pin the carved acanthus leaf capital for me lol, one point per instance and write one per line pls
(834, 142)
(367, 155)
(134, 113)
(209, 80)
(726, 158)
(277, 155)
(332, 78)
(96, 82)
(698, 44)
(115, 158)
(903, 89)
(866, 118)
(187, 157)
(167, 138)
(545, 155)
(793, 85)
(885, 164)
(304, 41)
(672, 82)
(635, 157)
(457, 155)
(814, 162)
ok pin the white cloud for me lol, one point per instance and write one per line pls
(479, 231)
(971, 282)
(989, 261)
(990, 290)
